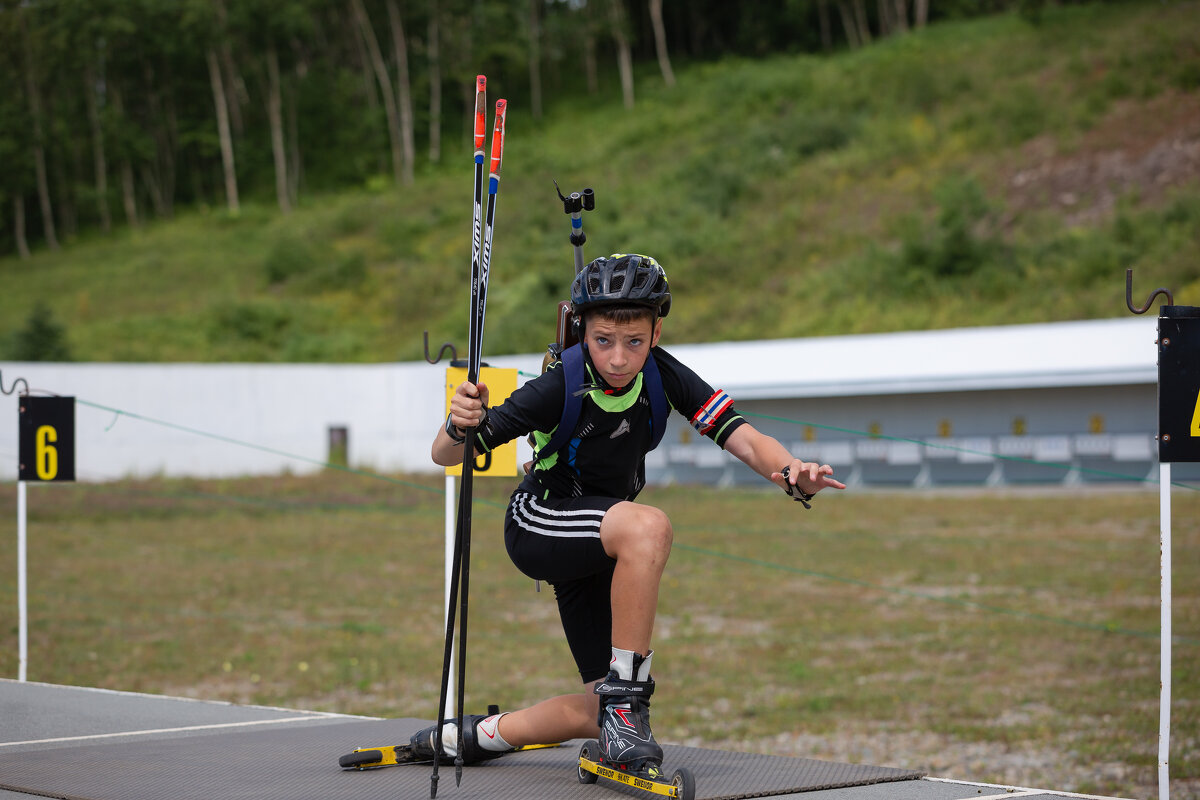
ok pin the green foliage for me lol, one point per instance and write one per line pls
(953, 245)
(290, 256)
(262, 324)
(42, 338)
(793, 195)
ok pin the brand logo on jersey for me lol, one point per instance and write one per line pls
(621, 430)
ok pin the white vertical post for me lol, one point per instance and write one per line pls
(451, 524)
(1164, 703)
(22, 592)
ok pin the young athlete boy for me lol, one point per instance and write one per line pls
(574, 523)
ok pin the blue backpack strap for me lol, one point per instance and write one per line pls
(572, 365)
(573, 379)
(658, 401)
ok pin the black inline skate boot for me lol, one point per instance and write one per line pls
(626, 741)
(481, 740)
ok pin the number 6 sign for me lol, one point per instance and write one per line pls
(47, 438)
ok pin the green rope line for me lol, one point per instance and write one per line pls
(958, 449)
(259, 447)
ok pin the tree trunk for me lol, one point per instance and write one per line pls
(166, 127)
(848, 23)
(98, 158)
(624, 52)
(920, 13)
(883, 9)
(433, 45)
(66, 169)
(125, 168)
(39, 149)
(901, 16)
(403, 90)
(589, 63)
(129, 193)
(864, 27)
(823, 21)
(660, 42)
(229, 168)
(385, 86)
(296, 167)
(235, 87)
(153, 184)
(534, 51)
(19, 226)
(275, 118)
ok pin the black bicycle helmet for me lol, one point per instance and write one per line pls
(621, 279)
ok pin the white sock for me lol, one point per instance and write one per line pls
(643, 673)
(487, 735)
(622, 663)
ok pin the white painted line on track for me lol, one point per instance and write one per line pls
(169, 730)
(1025, 791)
(178, 698)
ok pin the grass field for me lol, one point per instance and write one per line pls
(1007, 636)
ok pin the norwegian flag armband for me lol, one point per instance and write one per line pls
(711, 411)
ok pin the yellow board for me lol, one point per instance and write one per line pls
(501, 462)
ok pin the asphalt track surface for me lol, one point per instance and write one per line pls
(37, 719)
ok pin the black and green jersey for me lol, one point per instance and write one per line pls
(606, 454)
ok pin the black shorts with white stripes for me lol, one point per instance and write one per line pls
(558, 541)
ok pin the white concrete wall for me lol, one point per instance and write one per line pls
(209, 420)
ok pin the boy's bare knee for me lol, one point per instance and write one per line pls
(638, 528)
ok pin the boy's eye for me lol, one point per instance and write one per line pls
(601, 340)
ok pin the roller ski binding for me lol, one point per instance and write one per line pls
(423, 744)
(627, 752)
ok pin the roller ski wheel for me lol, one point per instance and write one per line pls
(652, 779)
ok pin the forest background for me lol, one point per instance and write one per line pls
(289, 181)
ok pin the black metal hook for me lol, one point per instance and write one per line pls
(446, 346)
(13, 388)
(1129, 295)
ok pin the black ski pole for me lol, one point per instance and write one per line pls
(468, 446)
(474, 362)
(481, 256)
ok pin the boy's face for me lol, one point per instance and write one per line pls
(619, 349)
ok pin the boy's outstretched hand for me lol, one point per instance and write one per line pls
(803, 479)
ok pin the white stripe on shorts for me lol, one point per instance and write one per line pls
(578, 524)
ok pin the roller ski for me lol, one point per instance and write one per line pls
(479, 744)
(627, 752)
